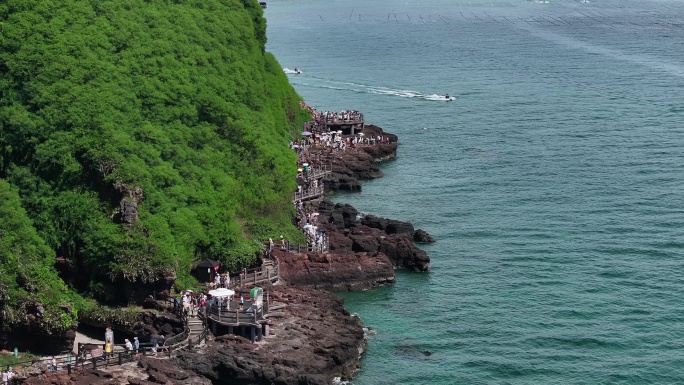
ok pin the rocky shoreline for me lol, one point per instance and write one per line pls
(314, 338)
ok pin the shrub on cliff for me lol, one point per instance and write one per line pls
(31, 293)
(145, 135)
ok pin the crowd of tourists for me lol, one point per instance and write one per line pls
(235, 303)
(192, 304)
(309, 180)
(335, 140)
(221, 281)
(345, 116)
(320, 120)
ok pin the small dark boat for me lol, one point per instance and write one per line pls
(263, 4)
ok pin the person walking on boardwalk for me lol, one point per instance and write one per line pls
(136, 344)
(155, 345)
(109, 334)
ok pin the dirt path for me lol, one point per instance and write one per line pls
(82, 338)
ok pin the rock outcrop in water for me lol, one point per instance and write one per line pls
(348, 233)
(352, 165)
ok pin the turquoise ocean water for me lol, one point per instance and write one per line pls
(554, 182)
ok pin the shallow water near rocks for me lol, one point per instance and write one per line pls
(553, 182)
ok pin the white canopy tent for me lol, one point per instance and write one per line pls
(221, 292)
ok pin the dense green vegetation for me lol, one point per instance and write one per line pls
(27, 278)
(141, 136)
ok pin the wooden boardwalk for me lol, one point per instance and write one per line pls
(330, 122)
(316, 190)
(309, 194)
(268, 272)
(92, 356)
(316, 172)
(247, 320)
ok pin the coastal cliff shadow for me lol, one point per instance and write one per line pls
(98, 334)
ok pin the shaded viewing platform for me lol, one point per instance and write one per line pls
(249, 319)
(245, 312)
(349, 122)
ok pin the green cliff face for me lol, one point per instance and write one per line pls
(141, 136)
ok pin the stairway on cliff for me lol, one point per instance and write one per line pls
(269, 268)
(196, 327)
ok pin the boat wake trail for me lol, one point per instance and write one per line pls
(312, 81)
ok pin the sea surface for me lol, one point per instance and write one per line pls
(553, 182)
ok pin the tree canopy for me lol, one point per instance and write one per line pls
(142, 136)
(27, 278)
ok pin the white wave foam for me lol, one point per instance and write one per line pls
(356, 87)
(440, 98)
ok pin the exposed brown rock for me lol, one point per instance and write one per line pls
(131, 197)
(77, 377)
(168, 372)
(314, 339)
(370, 234)
(336, 272)
(421, 236)
(354, 164)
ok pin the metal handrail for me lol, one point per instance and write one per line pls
(256, 277)
(236, 316)
(309, 193)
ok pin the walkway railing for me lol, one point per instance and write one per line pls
(93, 356)
(304, 248)
(308, 194)
(357, 119)
(233, 315)
(321, 123)
(185, 339)
(318, 171)
(268, 272)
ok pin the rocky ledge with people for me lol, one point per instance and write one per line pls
(355, 162)
(349, 231)
(313, 340)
